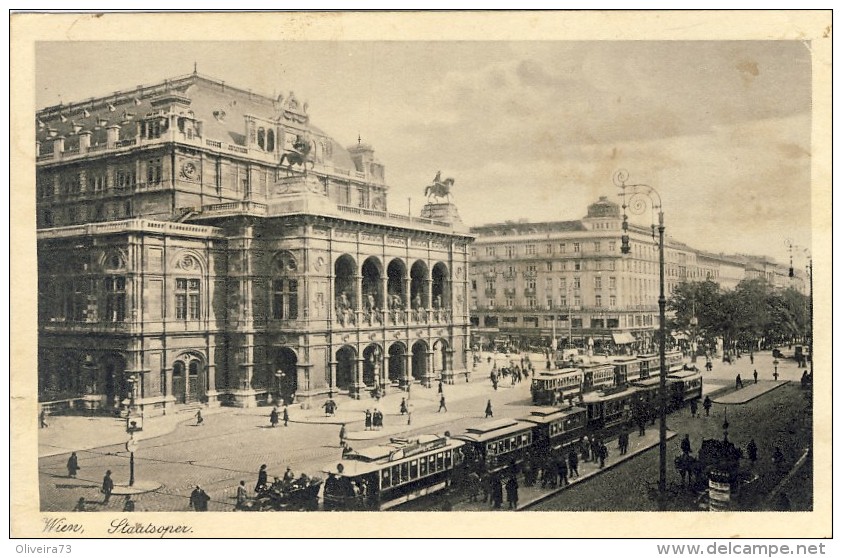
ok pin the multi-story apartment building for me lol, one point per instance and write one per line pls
(199, 243)
(569, 278)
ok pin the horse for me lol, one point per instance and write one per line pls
(439, 189)
(300, 156)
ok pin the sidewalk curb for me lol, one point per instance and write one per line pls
(556, 491)
(776, 385)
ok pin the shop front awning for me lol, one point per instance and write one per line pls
(623, 338)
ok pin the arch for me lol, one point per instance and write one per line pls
(419, 360)
(116, 386)
(113, 259)
(284, 369)
(440, 287)
(373, 365)
(397, 362)
(261, 138)
(345, 288)
(283, 286)
(419, 274)
(440, 347)
(372, 285)
(284, 262)
(396, 284)
(188, 262)
(189, 377)
(346, 367)
(270, 141)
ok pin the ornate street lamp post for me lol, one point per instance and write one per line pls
(810, 298)
(635, 198)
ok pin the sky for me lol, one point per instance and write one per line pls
(529, 130)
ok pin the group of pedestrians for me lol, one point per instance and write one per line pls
(373, 420)
(274, 416)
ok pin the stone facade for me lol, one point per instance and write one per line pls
(200, 244)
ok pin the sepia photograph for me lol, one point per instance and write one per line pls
(454, 263)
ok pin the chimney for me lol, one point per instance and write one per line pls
(112, 135)
(58, 146)
(84, 141)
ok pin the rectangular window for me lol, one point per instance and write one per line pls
(125, 178)
(562, 300)
(96, 182)
(187, 299)
(577, 283)
(154, 171)
(510, 303)
(598, 300)
(549, 249)
(577, 266)
(577, 301)
(530, 249)
(532, 268)
(612, 246)
(612, 282)
(285, 299)
(562, 248)
(611, 265)
(597, 265)
(597, 282)
(576, 247)
(597, 246)
(612, 301)
(115, 299)
(510, 252)
(562, 284)
(490, 251)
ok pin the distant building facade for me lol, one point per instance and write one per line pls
(201, 244)
(568, 279)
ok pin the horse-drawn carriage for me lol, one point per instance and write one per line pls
(301, 494)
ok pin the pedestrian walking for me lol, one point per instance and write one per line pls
(107, 487)
(595, 445)
(43, 418)
(368, 418)
(441, 387)
(286, 416)
(573, 463)
(685, 445)
(242, 494)
(343, 433)
(273, 417)
(442, 405)
(403, 408)
(473, 486)
(603, 454)
(199, 499)
(707, 404)
(755, 376)
(694, 407)
(262, 480)
(330, 407)
(585, 444)
(739, 382)
(378, 419)
(496, 491)
(561, 470)
(199, 418)
(488, 411)
(751, 449)
(81, 505)
(512, 492)
(72, 465)
(128, 504)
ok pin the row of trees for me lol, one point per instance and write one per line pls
(751, 316)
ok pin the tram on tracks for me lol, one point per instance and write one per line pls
(495, 445)
(555, 428)
(599, 376)
(383, 476)
(686, 385)
(549, 387)
(609, 409)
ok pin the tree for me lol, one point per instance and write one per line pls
(702, 300)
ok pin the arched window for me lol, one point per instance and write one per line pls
(261, 138)
(270, 141)
(284, 287)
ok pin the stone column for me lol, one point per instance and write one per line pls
(358, 289)
(84, 141)
(358, 388)
(384, 373)
(384, 294)
(407, 298)
(332, 378)
(430, 373)
(447, 374)
(407, 371)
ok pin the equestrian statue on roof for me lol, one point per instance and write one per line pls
(301, 154)
(439, 189)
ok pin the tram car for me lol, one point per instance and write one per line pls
(685, 385)
(650, 365)
(495, 445)
(610, 408)
(383, 476)
(599, 376)
(627, 369)
(553, 386)
(556, 428)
